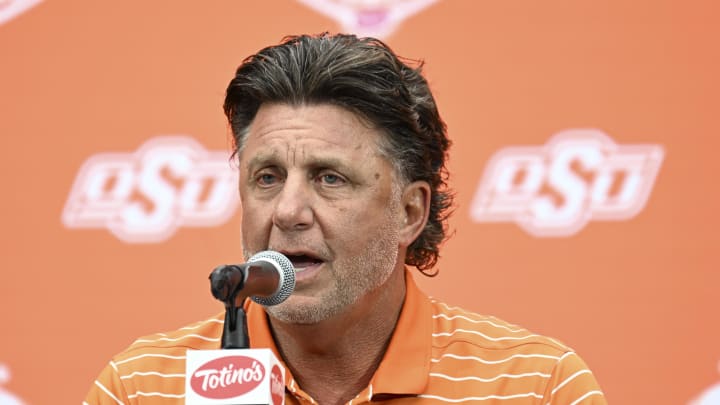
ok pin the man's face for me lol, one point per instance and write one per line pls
(314, 187)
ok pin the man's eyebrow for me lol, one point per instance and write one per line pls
(329, 162)
(262, 159)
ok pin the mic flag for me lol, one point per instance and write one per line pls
(238, 376)
(268, 278)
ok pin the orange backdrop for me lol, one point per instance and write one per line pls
(636, 296)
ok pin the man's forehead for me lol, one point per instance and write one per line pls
(293, 127)
(321, 114)
(305, 155)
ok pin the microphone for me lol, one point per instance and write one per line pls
(236, 374)
(268, 278)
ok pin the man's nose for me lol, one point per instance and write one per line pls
(293, 207)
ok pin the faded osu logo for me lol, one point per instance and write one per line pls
(6, 398)
(711, 396)
(375, 18)
(227, 377)
(578, 176)
(143, 197)
(10, 9)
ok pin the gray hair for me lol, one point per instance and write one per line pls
(364, 76)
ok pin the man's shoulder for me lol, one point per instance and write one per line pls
(165, 347)
(455, 328)
(154, 365)
(482, 357)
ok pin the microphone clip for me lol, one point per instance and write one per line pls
(226, 281)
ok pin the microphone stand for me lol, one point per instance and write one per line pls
(235, 330)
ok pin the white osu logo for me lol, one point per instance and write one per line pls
(556, 189)
(10, 9)
(143, 197)
(375, 18)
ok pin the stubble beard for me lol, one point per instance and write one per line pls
(353, 277)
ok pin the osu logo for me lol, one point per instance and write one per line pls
(6, 398)
(145, 196)
(556, 189)
(376, 18)
(227, 377)
(10, 9)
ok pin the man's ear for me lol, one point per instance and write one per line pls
(416, 209)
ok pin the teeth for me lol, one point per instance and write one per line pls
(302, 266)
(302, 262)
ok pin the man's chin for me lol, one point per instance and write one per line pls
(303, 310)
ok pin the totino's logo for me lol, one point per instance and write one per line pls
(556, 189)
(375, 18)
(145, 196)
(277, 385)
(227, 377)
(10, 9)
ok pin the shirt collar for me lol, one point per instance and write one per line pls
(404, 368)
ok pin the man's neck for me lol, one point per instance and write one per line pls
(335, 359)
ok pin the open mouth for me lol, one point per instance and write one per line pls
(302, 262)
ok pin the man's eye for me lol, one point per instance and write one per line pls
(266, 179)
(331, 179)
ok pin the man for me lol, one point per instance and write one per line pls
(342, 153)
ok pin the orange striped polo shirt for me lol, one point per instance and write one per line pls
(438, 354)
